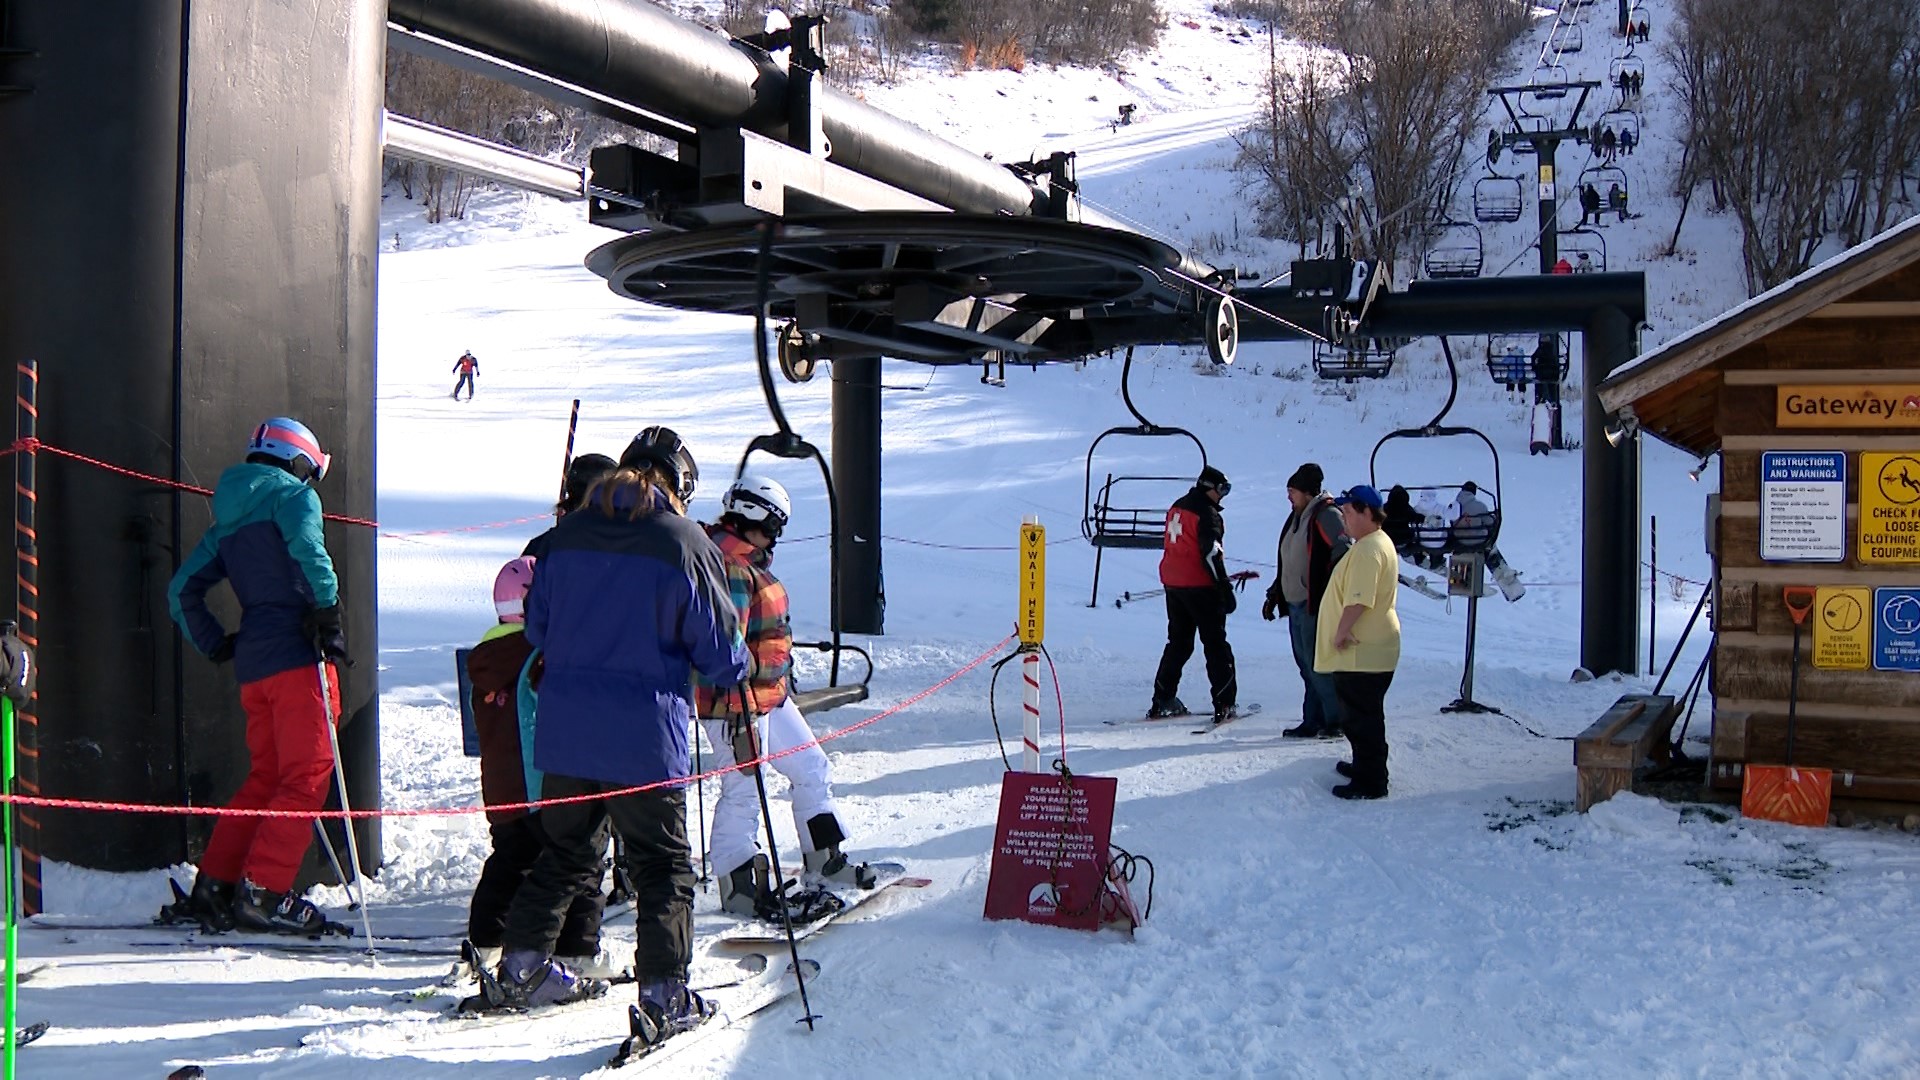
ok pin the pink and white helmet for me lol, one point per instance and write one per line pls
(510, 587)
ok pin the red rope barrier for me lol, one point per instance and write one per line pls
(457, 811)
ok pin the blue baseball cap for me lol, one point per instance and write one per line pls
(1363, 494)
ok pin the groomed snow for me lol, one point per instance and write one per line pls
(1469, 925)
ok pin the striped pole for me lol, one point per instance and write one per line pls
(26, 550)
(1030, 704)
(566, 460)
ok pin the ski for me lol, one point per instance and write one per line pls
(1239, 712)
(760, 932)
(192, 935)
(768, 986)
(31, 1033)
(1182, 715)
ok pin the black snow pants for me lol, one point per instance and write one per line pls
(1202, 610)
(659, 863)
(516, 845)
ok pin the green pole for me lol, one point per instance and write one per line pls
(13, 923)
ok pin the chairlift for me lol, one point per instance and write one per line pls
(1552, 78)
(1580, 241)
(1625, 64)
(1128, 511)
(1455, 251)
(1498, 198)
(1510, 359)
(1570, 38)
(1528, 123)
(1620, 122)
(1362, 358)
(1610, 181)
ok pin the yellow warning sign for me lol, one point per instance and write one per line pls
(1890, 506)
(1842, 628)
(1033, 582)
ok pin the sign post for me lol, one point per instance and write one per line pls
(1890, 507)
(1803, 506)
(1033, 626)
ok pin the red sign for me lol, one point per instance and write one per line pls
(1050, 849)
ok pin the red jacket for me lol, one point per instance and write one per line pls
(1191, 556)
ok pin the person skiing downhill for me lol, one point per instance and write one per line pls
(499, 667)
(754, 511)
(467, 367)
(1199, 595)
(266, 542)
(630, 600)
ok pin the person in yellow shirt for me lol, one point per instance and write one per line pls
(1358, 640)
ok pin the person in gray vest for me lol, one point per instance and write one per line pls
(1311, 542)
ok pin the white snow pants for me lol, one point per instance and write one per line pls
(736, 817)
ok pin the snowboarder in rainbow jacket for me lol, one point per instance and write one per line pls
(754, 511)
(266, 542)
(1199, 595)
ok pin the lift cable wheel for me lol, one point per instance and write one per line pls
(1140, 524)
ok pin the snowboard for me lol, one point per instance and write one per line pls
(1240, 712)
(1149, 719)
(757, 933)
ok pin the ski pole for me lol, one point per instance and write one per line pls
(700, 797)
(773, 852)
(333, 858)
(340, 782)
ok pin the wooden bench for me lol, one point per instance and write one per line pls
(820, 699)
(1634, 734)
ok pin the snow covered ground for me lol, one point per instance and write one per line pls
(1469, 925)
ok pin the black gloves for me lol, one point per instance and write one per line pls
(1270, 609)
(223, 652)
(327, 634)
(1229, 602)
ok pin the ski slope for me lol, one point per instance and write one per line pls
(1471, 924)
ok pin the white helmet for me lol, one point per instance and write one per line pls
(759, 500)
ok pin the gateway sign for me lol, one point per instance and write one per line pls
(1848, 405)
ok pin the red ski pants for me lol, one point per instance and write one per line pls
(292, 760)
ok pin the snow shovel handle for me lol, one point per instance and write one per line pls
(1799, 601)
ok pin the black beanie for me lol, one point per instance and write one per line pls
(1307, 479)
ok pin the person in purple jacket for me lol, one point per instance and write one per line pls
(630, 600)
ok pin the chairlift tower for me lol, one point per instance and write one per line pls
(1544, 143)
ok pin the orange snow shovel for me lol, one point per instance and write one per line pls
(1791, 793)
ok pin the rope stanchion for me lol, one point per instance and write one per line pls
(461, 811)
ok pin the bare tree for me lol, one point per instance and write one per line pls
(1294, 157)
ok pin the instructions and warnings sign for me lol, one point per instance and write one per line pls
(1803, 506)
(1896, 629)
(1050, 849)
(1843, 628)
(1890, 506)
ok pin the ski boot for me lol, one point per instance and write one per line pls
(257, 909)
(1509, 579)
(210, 904)
(598, 964)
(667, 1008)
(748, 891)
(830, 867)
(528, 978)
(1163, 710)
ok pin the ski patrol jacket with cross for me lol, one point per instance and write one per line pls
(624, 611)
(1191, 556)
(761, 602)
(266, 542)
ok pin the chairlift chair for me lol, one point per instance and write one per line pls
(1510, 359)
(1498, 198)
(1551, 76)
(1604, 179)
(1455, 251)
(1128, 511)
(1570, 38)
(1584, 241)
(1619, 121)
(1625, 64)
(1455, 538)
(1364, 358)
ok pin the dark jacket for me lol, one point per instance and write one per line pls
(1327, 540)
(266, 542)
(1191, 556)
(1401, 521)
(494, 666)
(625, 612)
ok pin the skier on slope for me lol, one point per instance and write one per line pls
(754, 511)
(1199, 595)
(467, 367)
(500, 667)
(267, 543)
(630, 599)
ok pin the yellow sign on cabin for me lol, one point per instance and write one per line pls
(1842, 627)
(1890, 506)
(1033, 582)
(1848, 405)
